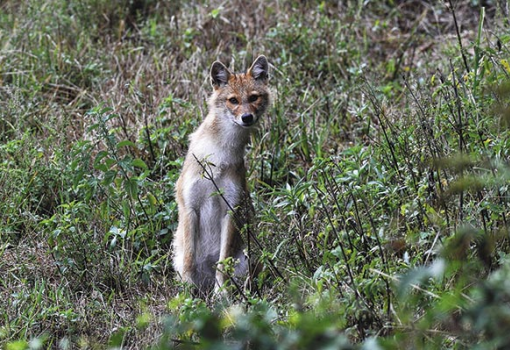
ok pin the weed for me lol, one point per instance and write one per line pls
(379, 176)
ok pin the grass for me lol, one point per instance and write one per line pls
(379, 175)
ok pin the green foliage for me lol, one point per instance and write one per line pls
(379, 176)
(233, 328)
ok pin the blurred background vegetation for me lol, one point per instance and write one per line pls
(379, 175)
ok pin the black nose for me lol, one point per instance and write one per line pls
(247, 118)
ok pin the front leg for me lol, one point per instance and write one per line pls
(189, 243)
(227, 245)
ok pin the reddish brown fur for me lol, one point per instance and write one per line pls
(207, 232)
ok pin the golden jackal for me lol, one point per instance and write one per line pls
(213, 180)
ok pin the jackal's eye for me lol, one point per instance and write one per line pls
(253, 98)
(233, 100)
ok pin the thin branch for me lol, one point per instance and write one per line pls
(235, 214)
(458, 36)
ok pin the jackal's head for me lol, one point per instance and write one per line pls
(242, 97)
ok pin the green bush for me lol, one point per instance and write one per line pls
(379, 175)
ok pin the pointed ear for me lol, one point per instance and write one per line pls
(259, 69)
(219, 74)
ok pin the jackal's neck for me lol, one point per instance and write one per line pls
(226, 133)
(220, 140)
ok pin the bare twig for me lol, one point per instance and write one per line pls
(452, 9)
(235, 214)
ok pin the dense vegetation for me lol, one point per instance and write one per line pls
(380, 175)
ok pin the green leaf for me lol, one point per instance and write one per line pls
(126, 209)
(125, 143)
(416, 276)
(215, 13)
(117, 338)
(131, 187)
(97, 161)
(109, 176)
(17, 345)
(137, 162)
